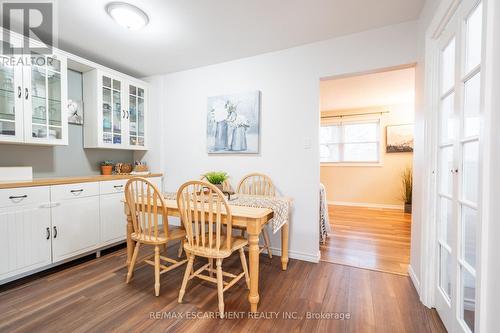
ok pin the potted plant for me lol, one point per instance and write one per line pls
(216, 178)
(407, 182)
(106, 168)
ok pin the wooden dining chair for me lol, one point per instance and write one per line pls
(258, 184)
(203, 210)
(146, 203)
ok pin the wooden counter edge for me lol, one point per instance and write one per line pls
(70, 180)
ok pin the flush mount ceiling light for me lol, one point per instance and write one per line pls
(127, 15)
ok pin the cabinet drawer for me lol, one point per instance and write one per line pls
(24, 196)
(73, 191)
(112, 186)
(118, 186)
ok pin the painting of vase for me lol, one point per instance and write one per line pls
(233, 123)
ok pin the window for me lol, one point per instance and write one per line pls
(356, 141)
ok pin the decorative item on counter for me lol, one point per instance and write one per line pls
(140, 168)
(106, 168)
(123, 168)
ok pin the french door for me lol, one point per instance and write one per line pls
(458, 175)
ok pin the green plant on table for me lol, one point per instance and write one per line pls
(407, 182)
(216, 177)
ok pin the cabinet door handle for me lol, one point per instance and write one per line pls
(26, 93)
(48, 233)
(77, 191)
(118, 186)
(55, 232)
(123, 114)
(128, 114)
(19, 92)
(18, 196)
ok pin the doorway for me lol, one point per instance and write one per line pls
(366, 145)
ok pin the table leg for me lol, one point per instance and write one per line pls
(130, 229)
(284, 246)
(253, 229)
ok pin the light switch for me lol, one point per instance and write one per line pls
(307, 142)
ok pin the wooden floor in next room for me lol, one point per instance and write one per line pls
(371, 238)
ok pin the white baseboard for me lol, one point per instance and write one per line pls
(297, 255)
(414, 279)
(365, 204)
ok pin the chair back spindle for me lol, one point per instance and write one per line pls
(144, 200)
(256, 184)
(203, 209)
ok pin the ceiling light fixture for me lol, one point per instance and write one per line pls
(127, 15)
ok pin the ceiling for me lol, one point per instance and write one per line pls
(185, 34)
(361, 91)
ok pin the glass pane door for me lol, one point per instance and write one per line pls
(112, 114)
(446, 170)
(136, 115)
(8, 94)
(46, 99)
(468, 178)
(458, 216)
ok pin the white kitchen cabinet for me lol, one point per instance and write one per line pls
(45, 101)
(25, 230)
(116, 112)
(43, 226)
(75, 219)
(11, 103)
(33, 99)
(113, 219)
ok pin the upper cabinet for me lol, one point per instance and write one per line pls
(45, 100)
(32, 102)
(11, 103)
(115, 111)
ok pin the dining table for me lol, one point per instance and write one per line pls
(252, 219)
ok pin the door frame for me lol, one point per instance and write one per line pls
(428, 243)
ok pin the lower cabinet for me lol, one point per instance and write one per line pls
(25, 237)
(113, 220)
(75, 227)
(45, 225)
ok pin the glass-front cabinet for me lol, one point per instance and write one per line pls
(32, 97)
(136, 114)
(116, 107)
(11, 103)
(45, 96)
(112, 113)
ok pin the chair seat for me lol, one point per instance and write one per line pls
(174, 233)
(236, 244)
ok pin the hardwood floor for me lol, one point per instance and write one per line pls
(377, 239)
(92, 296)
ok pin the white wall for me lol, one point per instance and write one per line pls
(156, 154)
(289, 82)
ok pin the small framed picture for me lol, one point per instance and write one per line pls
(399, 138)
